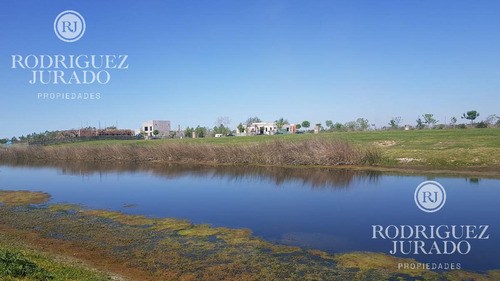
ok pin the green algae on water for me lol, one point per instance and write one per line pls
(176, 249)
(23, 197)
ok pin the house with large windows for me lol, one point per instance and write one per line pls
(162, 126)
(267, 128)
(261, 128)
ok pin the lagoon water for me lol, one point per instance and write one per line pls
(327, 209)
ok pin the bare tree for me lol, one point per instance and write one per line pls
(224, 121)
(394, 123)
(492, 120)
(453, 122)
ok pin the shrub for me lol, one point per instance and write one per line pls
(440, 126)
(372, 156)
(15, 264)
(481, 125)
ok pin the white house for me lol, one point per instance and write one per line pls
(162, 126)
(265, 128)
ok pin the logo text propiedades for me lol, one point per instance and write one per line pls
(70, 69)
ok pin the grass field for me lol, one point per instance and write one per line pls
(435, 148)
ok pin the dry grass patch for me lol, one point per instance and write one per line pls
(318, 151)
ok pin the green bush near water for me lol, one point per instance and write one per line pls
(20, 265)
(16, 264)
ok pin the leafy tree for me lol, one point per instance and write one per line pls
(429, 120)
(111, 128)
(280, 122)
(337, 126)
(298, 126)
(306, 124)
(201, 132)
(395, 121)
(240, 127)
(351, 125)
(420, 123)
(470, 115)
(13, 139)
(156, 132)
(221, 129)
(252, 120)
(329, 124)
(188, 132)
(481, 124)
(362, 123)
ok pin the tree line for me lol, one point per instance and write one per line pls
(222, 124)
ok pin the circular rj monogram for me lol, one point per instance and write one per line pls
(430, 196)
(69, 26)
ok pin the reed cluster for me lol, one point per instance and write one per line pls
(308, 152)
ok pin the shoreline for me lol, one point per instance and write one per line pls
(453, 152)
(492, 172)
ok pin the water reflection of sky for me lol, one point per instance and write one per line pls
(332, 210)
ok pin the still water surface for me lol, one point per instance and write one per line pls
(331, 210)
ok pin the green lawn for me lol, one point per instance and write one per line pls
(439, 148)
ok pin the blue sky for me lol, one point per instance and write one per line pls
(193, 61)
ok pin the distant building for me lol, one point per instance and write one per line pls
(162, 126)
(180, 133)
(261, 128)
(267, 128)
(289, 128)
